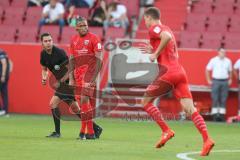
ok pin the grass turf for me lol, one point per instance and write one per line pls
(23, 137)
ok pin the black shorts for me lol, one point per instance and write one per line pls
(65, 93)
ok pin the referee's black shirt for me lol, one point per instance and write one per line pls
(55, 62)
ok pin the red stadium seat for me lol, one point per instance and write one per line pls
(114, 33)
(211, 40)
(235, 23)
(53, 30)
(19, 3)
(97, 30)
(224, 7)
(204, 6)
(196, 22)
(142, 34)
(7, 33)
(189, 39)
(13, 16)
(81, 12)
(67, 34)
(218, 23)
(4, 3)
(27, 34)
(33, 16)
(232, 40)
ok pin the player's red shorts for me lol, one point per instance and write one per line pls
(174, 79)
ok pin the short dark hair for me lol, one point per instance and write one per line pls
(153, 12)
(45, 35)
(80, 19)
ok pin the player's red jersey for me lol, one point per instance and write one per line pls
(169, 56)
(89, 44)
(175, 74)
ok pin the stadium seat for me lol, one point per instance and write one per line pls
(235, 23)
(189, 39)
(142, 34)
(27, 34)
(203, 7)
(7, 33)
(114, 33)
(33, 16)
(19, 3)
(13, 16)
(67, 34)
(196, 22)
(53, 30)
(4, 3)
(218, 23)
(211, 40)
(81, 12)
(224, 7)
(142, 25)
(97, 30)
(232, 40)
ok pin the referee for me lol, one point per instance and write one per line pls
(55, 60)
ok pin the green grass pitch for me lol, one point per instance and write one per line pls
(22, 137)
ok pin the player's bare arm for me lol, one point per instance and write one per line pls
(71, 70)
(165, 38)
(44, 75)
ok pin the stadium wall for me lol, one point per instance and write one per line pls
(28, 96)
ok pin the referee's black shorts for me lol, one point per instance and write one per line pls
(65, 93)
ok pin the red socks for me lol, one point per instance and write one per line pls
(86, 119)
(156, 116)
(200, 124)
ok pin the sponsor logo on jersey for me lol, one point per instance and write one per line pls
(86, 42)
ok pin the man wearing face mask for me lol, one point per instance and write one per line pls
(221, 78)
(83, 45)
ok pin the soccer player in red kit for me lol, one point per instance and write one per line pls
(82, 44)
(163, 49)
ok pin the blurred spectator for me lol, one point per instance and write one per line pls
(53, 14)
(116, 16)
(99, 14)
(146, 3)
(35, 3)
(72, 4)
(221, 68)
(5, 69)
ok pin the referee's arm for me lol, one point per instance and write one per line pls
(44, 75)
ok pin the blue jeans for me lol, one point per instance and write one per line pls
(44, 21)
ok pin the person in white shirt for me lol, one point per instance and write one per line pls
(53, 14)
(116, 16)
(221, 78)
(236, 72)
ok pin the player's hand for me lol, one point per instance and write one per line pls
(153, 57)
(146, 49)
(44, 81)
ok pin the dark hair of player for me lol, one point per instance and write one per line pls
(80, 19)
(153, 12)
(45, 35)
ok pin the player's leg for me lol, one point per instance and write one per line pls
(54, 102)
(88, 116)
(157, 88)
(200, 124)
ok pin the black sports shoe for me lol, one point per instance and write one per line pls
(98, 132)
(90, 136)
(54, 135)
(81, 136)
